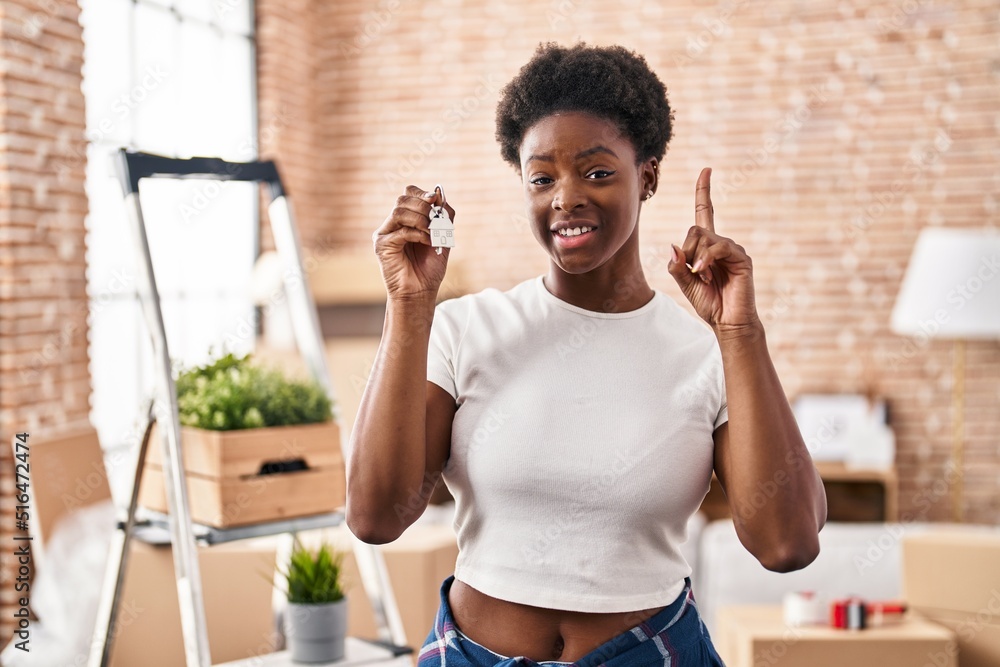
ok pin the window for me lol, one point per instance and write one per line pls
(177, 79)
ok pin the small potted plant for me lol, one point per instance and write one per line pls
(316, 616)
(257, 446)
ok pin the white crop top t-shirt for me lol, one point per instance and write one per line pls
(581, 445)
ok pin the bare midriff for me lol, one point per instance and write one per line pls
(513, 629)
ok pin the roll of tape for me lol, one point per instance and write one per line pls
(803, 608)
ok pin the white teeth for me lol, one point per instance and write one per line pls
(575, 231)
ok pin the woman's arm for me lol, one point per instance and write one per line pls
(401, 435)
(388, 455)
(775, 493)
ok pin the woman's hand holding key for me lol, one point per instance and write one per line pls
(411, 267)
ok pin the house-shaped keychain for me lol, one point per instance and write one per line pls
(441, 227)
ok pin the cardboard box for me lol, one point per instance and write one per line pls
(978, 641)
(756, 635)
(226, 486)
(417, 563)
(66, 473)
(957, 570)
(237, 595)
(952, 577)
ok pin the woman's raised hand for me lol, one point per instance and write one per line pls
(719, 282)
(411, 267)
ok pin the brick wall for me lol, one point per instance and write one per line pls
(835, 132)
(43, 304)
(290, 69)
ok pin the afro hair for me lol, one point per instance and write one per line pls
(609, 82)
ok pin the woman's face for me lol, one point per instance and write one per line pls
(579, 169)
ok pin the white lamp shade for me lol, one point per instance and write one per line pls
(952, 285)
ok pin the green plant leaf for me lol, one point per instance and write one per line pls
(313, 577)
(231, 393)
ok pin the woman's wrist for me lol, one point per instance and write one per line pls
(749, 332)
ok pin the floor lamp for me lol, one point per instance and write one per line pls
(951, 291)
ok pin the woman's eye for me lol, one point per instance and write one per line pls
(600, 173)
(541, 180)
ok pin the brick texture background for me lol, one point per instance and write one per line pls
(43, 329)
(291, 132)
(835, 132)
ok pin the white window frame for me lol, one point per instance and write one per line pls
(119, 436)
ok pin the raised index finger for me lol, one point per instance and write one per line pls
(704, 214)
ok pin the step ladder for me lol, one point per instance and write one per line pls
(184, 536)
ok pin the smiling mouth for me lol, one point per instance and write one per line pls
(572, 238)
(574, 232)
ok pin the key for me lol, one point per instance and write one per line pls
(441, 228)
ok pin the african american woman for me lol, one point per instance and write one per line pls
(578, 416)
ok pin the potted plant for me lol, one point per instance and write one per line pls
(233, 393)
(316, 616)
(257, 445)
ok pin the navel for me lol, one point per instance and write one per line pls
(557, 649)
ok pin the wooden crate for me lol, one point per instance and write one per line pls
(225, 484)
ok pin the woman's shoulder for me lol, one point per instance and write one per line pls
(488, 298)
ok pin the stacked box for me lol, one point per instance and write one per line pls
(952, 577)
(229, 476)
(752, 635)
